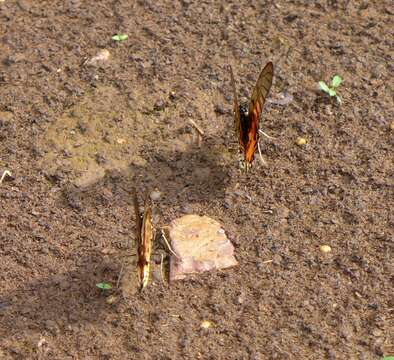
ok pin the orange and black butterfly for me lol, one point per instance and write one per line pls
(247, 119)
(144, 235)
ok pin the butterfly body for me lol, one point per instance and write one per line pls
(248, 136)
(247, 118)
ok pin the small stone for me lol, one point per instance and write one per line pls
(392, 126)
(41, 342)
(160, 105)
(219, 109)
(301, 141)
(206, 324)
(155, 195)
(100, 58)
(325, 249)
(240, 299)
(110, 299)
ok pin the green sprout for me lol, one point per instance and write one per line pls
(388, 358)
(332, 89)
(104, 286)
(120, 37)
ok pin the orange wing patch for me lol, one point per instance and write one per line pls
(144, 235)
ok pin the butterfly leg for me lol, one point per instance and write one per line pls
(261, 156)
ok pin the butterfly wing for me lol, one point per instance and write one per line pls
(145, 234)
(138, 223)
(259, 94)
(237, 115)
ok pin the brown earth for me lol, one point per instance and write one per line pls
(78, 137)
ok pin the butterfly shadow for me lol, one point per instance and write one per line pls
(57, 302)
(184, 177)
(194, 176)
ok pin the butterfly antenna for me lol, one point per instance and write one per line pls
(168, 244)
(266, 135)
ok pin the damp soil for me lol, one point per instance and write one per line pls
(77, 137)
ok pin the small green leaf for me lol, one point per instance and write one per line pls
(104, 286)
(388, 358)
(120, 37)
(336, 81)
(323, 86)
(331, 92)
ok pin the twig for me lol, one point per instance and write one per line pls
(5, 173)
(168, 245)
(120, 274)
(199, 130)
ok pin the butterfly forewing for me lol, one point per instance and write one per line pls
(138, 223)
(237, 115)
(261, 90)
(144, 235)
(259, 94)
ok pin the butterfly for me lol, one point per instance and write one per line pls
(144, 235)
(247, 119)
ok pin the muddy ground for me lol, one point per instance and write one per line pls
(77, 137)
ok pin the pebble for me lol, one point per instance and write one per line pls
(155, 195)
(325, 249)
(100, 58)
(110, 299)
(206, 324)
(301, 141)
(160, 105)
(219, 109)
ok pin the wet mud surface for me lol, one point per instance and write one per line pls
(78, 137)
